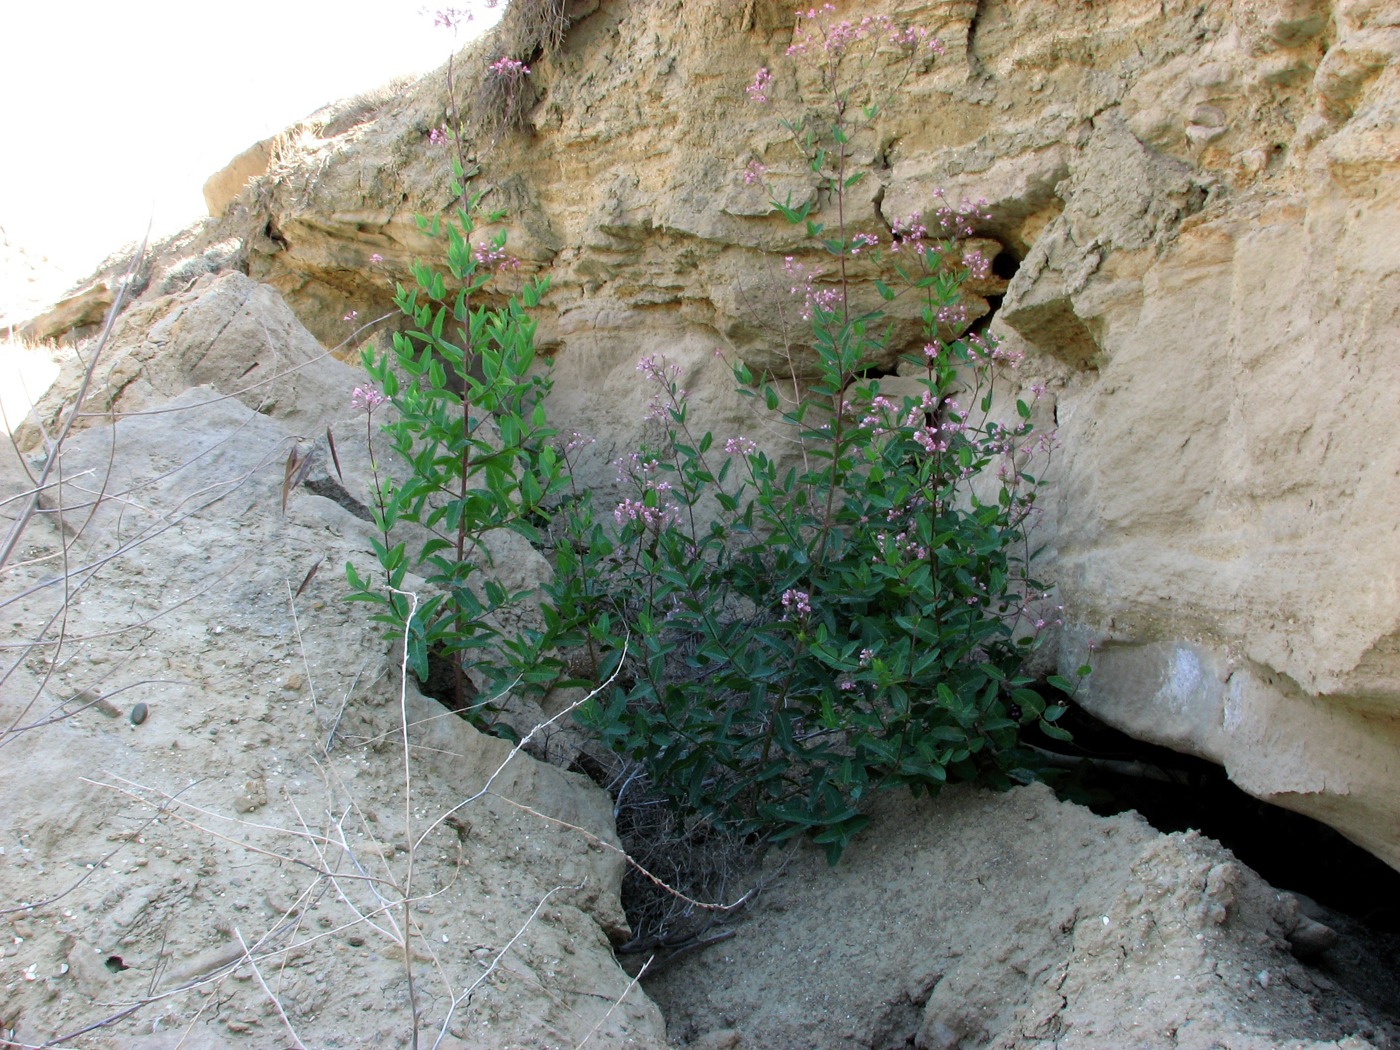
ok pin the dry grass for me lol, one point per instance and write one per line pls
(529, 30)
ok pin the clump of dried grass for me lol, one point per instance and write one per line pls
(529, 30)
(679, 860)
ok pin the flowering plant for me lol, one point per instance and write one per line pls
(809, 628)
(469, 424)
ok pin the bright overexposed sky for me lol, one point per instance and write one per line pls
(114, 112)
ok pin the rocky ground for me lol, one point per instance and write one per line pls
(1015, 921)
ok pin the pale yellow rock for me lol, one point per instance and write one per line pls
(228, 182)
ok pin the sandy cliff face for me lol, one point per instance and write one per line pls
(1193, 213)
(1194, 209)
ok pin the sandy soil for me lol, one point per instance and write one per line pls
(1013, 921)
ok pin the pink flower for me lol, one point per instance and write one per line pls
(577, 441)
(509, 68)
(821, 301)
(740, 446)
(366, 398)
(841, 36)
(376, 258)
(908, 231)
(953, 316)
(669, 396)
(451, 17)
(798, 602)
(351, 315)
(758, 90)
(492, 256)
(652, 517)
(754, 172)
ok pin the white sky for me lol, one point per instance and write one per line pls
(115, 111)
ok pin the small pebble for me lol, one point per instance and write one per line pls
(1310, 938)
(139, 713)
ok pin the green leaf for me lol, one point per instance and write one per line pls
(418, 654)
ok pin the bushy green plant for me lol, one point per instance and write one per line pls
(785, 631)
(468, 423)
(807, 629)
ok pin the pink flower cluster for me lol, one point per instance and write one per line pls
(989, 348)
(658, 512)
(907, 548)
(494, 257)
(816, 32)
(575, 441)
(909, 231)
(877, 420)
(932, 437)
(740, 446)
(509, 68)
(957, 220)
(803, 286)
(950, 223)
(652, 517)
(634, 467)
(796, 603)
(758, 90)
(953, 316)
(451, 17)
(366, 399)
(666, 378)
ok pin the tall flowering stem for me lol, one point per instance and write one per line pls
(841, 51)
(470, 429)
